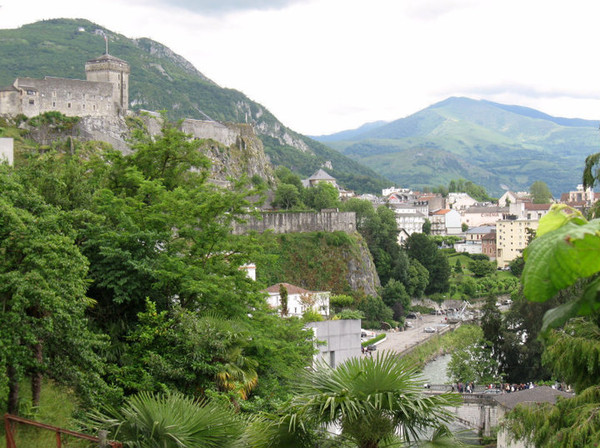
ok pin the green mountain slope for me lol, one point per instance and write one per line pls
(162, 80)
(494, 145)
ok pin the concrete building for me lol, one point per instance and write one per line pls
(299, 300)
(7, 153)
(445, 222)
(460, 201)
(511, 238)
(336, 340)
(478, 215)
(529, 210)
(104, 93)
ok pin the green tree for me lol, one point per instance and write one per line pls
(340, 301)
(418, 277)
(540, 193)
(286, 196)
(375, 311)
(565, 254)
(427, 227)
(368, 398)
(323, 196)
(474, 364)
(43, 279)
(425, 251)
(394, 295)
(458, 267)
(364, 211)
(481, 268)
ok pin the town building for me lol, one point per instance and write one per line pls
(104, 93)
(336, 340)
(409, 219)
(527, 397)
(319, 176)
(299, 300)
(510, 197)
(473, 243)
(512, 237)
(488, 245)
(459, 201)
(580, 199)
(478, 215)
(445, 222)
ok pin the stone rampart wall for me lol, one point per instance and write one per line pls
(219, 132)
(300, 222)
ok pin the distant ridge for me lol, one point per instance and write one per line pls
(494, 145)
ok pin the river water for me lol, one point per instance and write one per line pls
(435, 372)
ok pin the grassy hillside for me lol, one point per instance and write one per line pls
(162, 80)
(491, 144)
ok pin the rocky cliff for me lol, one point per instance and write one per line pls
(319, 261)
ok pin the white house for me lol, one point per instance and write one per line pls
(460, 201)
(409, 220)
(299, 300)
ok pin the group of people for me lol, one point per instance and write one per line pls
(466, 388)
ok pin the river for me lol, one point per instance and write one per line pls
(435, 372)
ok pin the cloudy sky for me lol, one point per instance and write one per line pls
(323, 66)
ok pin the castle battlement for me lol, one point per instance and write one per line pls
(104, 93)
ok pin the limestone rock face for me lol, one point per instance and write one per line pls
(362, 275)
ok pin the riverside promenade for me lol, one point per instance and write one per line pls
(403, 341)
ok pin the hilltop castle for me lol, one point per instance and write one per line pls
(104, 93)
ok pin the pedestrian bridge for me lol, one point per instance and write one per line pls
(478, 410)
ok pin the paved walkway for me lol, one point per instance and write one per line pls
(402, 340)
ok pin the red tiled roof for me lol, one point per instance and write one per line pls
(291, 289)
(532, 206)
(442, 211)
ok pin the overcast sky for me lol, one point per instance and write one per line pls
(322, 66)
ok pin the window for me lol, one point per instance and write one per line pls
(69, 105)
(31, 101)
(53, 103)
(30, 92)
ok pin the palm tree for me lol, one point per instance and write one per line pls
(149, 420)
(371, 401)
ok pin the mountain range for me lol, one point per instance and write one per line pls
(162, 80)
(494, 145)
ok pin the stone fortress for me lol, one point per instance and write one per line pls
(104, 93)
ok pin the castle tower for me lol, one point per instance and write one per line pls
(107, 68)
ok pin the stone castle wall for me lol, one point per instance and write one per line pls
(71, 97)
(214, 130)
(300, 222)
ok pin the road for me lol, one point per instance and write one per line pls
(400, 341)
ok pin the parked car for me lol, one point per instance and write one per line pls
(411, 316)
(408, 324)
(371, 348)
(429, 330)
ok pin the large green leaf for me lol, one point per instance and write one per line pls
(559, 257)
